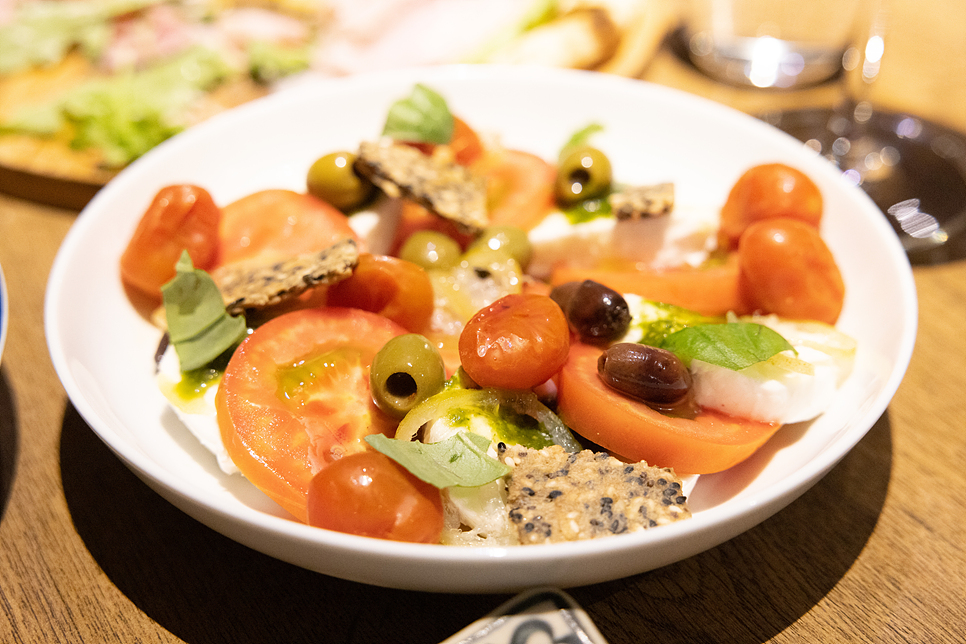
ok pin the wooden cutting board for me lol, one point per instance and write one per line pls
(49, 171)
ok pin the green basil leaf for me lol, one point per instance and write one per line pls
(423, 117)
(199, 327)
(460, 460)
(735, 345)
(656, 320)
(580, 137)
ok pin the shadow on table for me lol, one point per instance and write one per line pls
(8, 441)
(205, 588)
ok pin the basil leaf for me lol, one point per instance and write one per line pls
(656, 320)
(423, 117)
(735, 345)
(199, 327)
(580, 137)
(192, 302)
(460, 460)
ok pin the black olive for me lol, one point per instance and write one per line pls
(595, 312)
(649, 374)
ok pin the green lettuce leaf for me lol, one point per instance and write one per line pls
(126, 115)
(423, 117)
(734, 345)
(460, 460)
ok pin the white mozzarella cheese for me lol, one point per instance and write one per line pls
(685, 237)
(767, 391)
(197, 414)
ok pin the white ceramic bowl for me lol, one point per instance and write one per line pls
(103, 351)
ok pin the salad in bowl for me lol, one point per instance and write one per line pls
(435, 337)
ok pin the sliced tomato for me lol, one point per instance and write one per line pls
(179, 218)
(295, 396)
(389, 286)
(712, 290)
(519, 187)
(710, 442)
(279, 224)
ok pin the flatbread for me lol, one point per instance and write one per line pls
(259, 284)
(440, 185)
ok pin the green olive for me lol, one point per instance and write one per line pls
(333, 179)
(405, 372)
(584, 173)
(431, 249)
(510, 240)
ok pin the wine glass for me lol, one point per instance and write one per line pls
(913, 169)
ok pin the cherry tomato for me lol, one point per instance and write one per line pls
(389, 286)
(766, 191)
(786, 269)
(520, 187)
(179, 218)
(709, 442)
(279, 224)
(295, 397)
(518, 342)
(370, 495)
(464, 143)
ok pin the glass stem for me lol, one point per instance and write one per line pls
(861, 64)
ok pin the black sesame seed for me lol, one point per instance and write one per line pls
(528, 491)
(528, 527)
(554, 494)
(681, 500)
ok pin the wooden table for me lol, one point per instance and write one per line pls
(875, 552)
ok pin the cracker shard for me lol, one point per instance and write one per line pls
(556, 496)
(258, 284)
(445, 188)
(640, 202)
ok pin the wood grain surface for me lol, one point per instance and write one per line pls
(874, 552)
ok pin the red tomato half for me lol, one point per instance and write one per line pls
(370, 495)
(295, 397)
(389, 286)
(519, 187)
(518, 342)
(279, 224)
(711, 442)
(787, 269)
(767, 191)
(179, 218)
